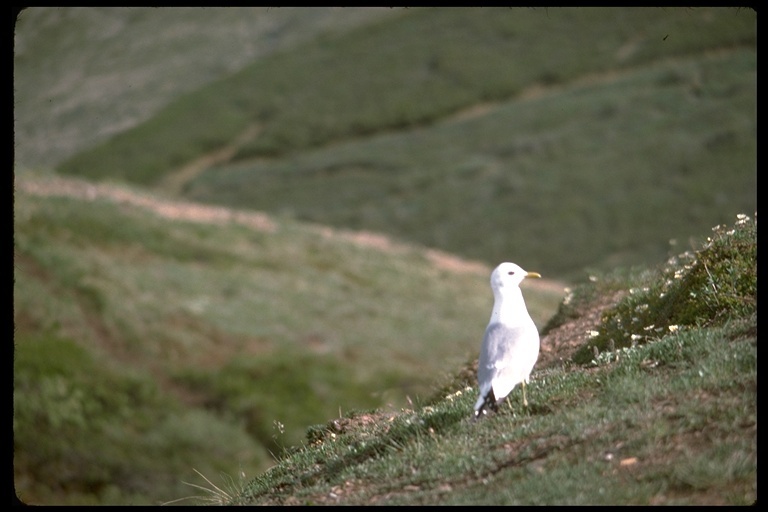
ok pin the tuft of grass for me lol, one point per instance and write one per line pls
(227, 494)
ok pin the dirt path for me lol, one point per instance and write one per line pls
(174, 182)
(173, 209)
(166, 208)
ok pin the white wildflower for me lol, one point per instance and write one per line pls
(568, 296)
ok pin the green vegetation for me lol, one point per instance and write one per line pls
(719, 281)
(671, 419)
(293, 385)
(361, 83)
(495, 123)
(598, 172)
(84, 74)
(88, 432)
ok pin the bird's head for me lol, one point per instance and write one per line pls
(508, 275)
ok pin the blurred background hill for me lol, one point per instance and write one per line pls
(588, 137)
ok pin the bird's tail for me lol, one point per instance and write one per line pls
(489, 402)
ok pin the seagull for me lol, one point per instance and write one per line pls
(511, 342)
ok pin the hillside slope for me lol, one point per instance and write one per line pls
(656, 406)
(165, 335)
(84, 74)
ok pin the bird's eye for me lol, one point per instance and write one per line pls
(511, 273)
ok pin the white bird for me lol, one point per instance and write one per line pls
(511, 342)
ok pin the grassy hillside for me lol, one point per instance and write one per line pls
(153, 337)
(596, 136)
(84, 74)
(662, 412)
(635, 162)
(167, 331)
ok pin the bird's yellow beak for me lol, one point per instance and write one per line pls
(532, 274)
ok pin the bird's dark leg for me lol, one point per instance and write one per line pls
(490, 402)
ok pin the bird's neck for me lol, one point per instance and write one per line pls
(509, 307)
